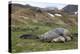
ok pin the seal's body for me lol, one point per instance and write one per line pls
(48, 36)
(58, 34)
(63, 32)
(58, 39)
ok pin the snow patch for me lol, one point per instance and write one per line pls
(58, 15)
(51, 15)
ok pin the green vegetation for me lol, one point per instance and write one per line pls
(30, 45)
(27, 21)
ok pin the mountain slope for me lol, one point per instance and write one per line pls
(28, 15)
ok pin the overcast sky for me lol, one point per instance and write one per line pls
(41, 4)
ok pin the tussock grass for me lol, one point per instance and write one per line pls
(32, 45)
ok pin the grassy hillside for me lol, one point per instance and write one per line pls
(27, 21)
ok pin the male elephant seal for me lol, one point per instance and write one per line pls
(49, 36)
(58, 34)
(63, 32)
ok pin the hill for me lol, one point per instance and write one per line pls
(26, 19)
(71, 8)
(26, 14)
